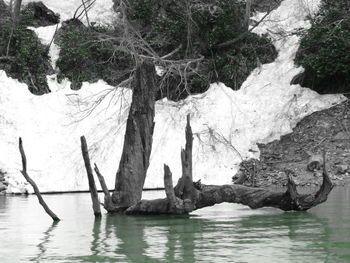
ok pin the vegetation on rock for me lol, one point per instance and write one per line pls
(196, 29)
(37, 14)
(84, 58)
(23, 56)
(186, 31)
(324, 50)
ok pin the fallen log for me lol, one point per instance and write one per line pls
(33, 184)
(189, 198)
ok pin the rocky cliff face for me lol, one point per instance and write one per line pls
(326, 130)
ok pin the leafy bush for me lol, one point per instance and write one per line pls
(324, 50)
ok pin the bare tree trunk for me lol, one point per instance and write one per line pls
(33, 184)
(92, 185)
(16, 11)
(248, 8)
(134, 161)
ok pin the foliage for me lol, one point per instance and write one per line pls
(37, 14)
(324, 50)
(84, 58)
(198, 27)
(28, 58)
(235, 64)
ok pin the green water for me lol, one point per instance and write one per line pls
(223, 233)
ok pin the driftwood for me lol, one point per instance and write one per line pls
(92, 185)
(188, 197)
(108, 205)
(137, 147)
(33, 184)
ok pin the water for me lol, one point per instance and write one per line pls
(223, 233)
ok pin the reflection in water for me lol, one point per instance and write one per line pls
(195, 239)
(223, 233)
(45, 241)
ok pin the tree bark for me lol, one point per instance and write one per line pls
(92, 185)
(134, 161)
(248, 8)
(16, 11)
(33, 184)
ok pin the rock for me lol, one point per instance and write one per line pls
(341, 168)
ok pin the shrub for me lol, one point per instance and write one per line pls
(209, 23)
(29, 61)
(324, 50)
(193, 28)
(84, 58)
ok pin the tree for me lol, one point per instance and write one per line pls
(137, 148)
(186, 196)
(182, 38)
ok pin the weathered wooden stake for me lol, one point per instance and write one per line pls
(33, 184)
(92, 185)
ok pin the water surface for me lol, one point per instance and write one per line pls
(223, 233)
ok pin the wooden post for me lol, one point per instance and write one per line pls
(33, 184)
(92, 185)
